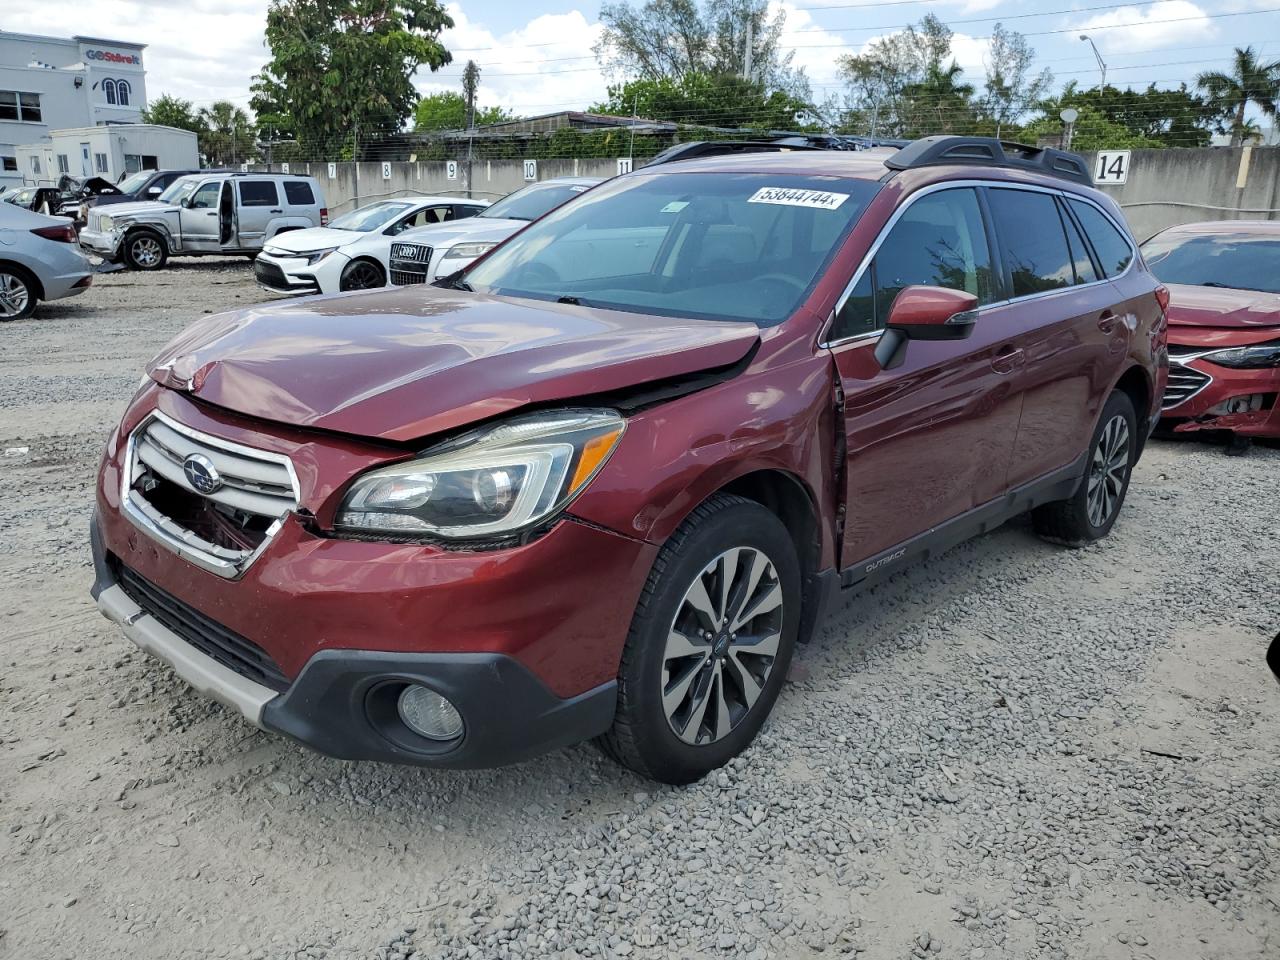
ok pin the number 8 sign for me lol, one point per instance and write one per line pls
(1111, 166)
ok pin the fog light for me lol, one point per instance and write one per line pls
(427, 713)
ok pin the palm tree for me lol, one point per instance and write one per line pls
(1250, 81)
(226, 133)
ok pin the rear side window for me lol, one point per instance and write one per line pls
(1113, 250)
(1085, 272)
(1032, 241)
(257, 193)
(298, 193)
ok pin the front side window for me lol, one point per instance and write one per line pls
(258, 193)
(1032, 240)
(1238, 259)
(206, 198)
(713, 246)
(1113, 250)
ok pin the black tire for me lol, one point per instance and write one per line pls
(15, 282)
(362, 274)
(642, 737)
(145, 250)
(1074, 522)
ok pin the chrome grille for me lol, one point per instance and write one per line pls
(402, 278)
(255, 482)
(1184, 383)
(410, 263)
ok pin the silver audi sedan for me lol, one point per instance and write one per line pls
(39, 260)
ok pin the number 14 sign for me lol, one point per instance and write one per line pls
(1112, 166)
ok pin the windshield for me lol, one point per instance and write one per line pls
(709, 245)
(134, 183)
(1244, 261)
(371, 217)
(179, 190)
(532, 202)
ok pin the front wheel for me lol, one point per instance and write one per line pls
(362, 275)
(709, 644)
(1091, 512)
(145, 250)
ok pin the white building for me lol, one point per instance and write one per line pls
(108, 151)
(52, 83)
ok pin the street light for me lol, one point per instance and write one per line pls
(1102, 65)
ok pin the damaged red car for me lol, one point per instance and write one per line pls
(1224, 327)
(602, 481)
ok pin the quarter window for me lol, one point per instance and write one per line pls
(1085, 273)
(258, 193)
(298, 193)
(1032, 241)
(1113, 250)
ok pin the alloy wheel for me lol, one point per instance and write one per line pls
(145, 251)
(14, 296)
(361, 276)
(1108, 471)
(722, 645)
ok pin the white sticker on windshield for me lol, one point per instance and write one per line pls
(579, 189)
(675, 206)
(788, 197)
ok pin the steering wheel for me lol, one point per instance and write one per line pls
(538, 275)
(781, 278)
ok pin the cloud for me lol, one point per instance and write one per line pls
(1149, 28)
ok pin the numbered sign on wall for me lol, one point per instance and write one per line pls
(1112, 166)
(333, 171)
(624, 165)
(531, 169)
(386, 169)
(244, 168)
(451, 170)
(284, 168)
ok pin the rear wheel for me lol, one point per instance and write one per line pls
(1091, 512)
(709, 645)
(145, 250)
(17, 293)
(362, 275)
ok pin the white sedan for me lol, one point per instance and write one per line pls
(351, 252)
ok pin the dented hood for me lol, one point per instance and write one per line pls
(1222, 307)
(400, 364)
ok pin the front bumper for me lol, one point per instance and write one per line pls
(104, 244)
(1207, 407)
(294, 276)
(342, 701)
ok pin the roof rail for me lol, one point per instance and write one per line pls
(990, 152)
(718, 148)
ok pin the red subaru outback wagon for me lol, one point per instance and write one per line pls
(600, 483)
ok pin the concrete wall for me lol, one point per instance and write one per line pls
(1164, 187)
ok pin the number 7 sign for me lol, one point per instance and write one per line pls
(1112, 166)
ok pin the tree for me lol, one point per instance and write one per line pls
(1093, 130)
(448, 111)
(669, 39)
(339, 65)
(1250, 81)
(169, 111)
(226, 133)
(723, 100)
(470, 87)
(1157, 118)
(1010, 89)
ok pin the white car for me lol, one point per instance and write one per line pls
(351, 252)
(422, 255)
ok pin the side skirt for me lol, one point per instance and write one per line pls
(1058, 485)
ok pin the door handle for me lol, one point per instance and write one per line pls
(1008, 359)
(276, 211)
(1107, 321)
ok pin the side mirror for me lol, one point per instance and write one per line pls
(154, 191)
(925, 313)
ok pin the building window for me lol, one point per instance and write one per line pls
(20, 106)
(122, 92)
(64, 163)
(35, 165)
(109, 90)
(9, 164)
(132, 163)
(100, 162)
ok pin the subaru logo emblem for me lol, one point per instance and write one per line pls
(201, 473)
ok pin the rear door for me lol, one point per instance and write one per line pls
(258, 203)
(930, 440)
(1062, 320)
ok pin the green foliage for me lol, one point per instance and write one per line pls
(1093, 131)
(1251, 81)
(170, 111)
(448, 111)
(1132, 118)
(721, 100)
(339, 64)
(226, 134)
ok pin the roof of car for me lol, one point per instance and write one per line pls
(428, 198)
(861, 165)
(1264, 227)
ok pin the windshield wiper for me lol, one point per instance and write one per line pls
(453, 281)
(572, 301)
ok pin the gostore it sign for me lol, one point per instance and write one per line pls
(109, 56)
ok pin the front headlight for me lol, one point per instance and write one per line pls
(467, 251)
(106, 223)
(315, 256)
(489, 482)
(1257, 357)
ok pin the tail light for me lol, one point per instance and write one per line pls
(324, 216)
(1162, 298)
(63, 233)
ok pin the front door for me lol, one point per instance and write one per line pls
(930, 440)
(201, 227)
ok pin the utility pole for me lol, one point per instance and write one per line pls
(635, 106)
(355, 163)
(470, 84)
(747, 54)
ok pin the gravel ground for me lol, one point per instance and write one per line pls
(1013, 751)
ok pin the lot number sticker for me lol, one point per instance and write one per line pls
(451, 169)
(787, 197)
(333, 171)
(1112, 166)
(624, 165)
(531, 169)
(386, 169)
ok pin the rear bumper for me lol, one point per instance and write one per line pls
(1208, 407)
(342, 703)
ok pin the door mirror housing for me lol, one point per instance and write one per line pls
(925, 313)
(154, 191)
